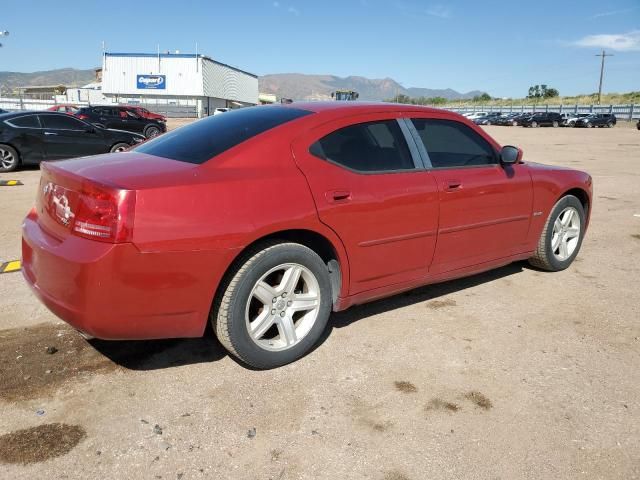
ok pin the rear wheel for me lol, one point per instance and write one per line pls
(572, 124)
(9, 158)
(514, 124)
(151, 132)
(534, 124)
(119, 147)
(610, 124)
(561, 237)
(275, 307)
(589, 125)
(555, 124)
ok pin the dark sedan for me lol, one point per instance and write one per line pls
(543, 119)
(597, 120)
(122, 118)
(488, 119)
(31, 137)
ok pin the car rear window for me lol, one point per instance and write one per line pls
(206, 138)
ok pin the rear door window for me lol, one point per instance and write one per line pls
(26, 121)
(377, 146)
(206, 138)
(61, 122)
(451, 144)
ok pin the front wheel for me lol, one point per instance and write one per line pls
(562, 235)
(534, 124)
(555, 124)
(275, 307)
(610, 124)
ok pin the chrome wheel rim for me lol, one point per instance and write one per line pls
(7, 160)
(283, 307)
(153, 132)
(566, 233)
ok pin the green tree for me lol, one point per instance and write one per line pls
(551, 93)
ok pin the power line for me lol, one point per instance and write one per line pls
(603, 54)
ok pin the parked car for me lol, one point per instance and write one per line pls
(121, 118)
(597, 120)
(542, 119)
(64, 108)
(474, 115)
(506, 119)
(570, 119)
(145, 113)
(638, 125)
(260, 222)
(220, 110)
(3, 111)
(519, 118)
(489, 119)
(31, 137)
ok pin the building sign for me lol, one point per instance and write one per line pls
(151, 82)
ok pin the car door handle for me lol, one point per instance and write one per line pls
(50, 133)
(453, 184)
(338, 196)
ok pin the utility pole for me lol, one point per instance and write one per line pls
(603, 54)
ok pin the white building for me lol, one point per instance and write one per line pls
(180, 82)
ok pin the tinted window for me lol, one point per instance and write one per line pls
(366, 147)
(27, 121)
(206, 138)
(61, 122)
(452, 144)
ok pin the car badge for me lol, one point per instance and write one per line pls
(63, 211)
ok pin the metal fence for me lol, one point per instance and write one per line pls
(622, 112)
(166, 109)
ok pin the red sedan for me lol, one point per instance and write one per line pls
(64, 108)
(264, 220)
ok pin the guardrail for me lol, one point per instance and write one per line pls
(622, 112)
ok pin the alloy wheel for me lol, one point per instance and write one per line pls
(7, 159)
(566, 233)
(283, 307)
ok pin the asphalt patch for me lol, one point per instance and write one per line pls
(37, 444)
(479, 400)
(439, 404)
(437, 304)
(405, 387)
(36, 361)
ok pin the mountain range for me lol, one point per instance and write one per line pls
(297, 86)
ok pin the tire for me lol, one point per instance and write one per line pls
(555, 124)
(609, 124)
(151, 131)
(589, 125)
(545, 256)
(571, 124)
(9, 158)
(272, 344)
(514, 124)
(119, 147)
(534, 124)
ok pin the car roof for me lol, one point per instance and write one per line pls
(359, 107)
(30, 112)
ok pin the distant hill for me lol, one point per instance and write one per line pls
(291, 85)
(318, 87)
(64, 76)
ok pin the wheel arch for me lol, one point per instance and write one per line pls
(332, 254)
(581, 195)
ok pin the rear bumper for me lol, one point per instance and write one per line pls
(117, 292)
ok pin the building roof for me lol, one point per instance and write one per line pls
(178, 55)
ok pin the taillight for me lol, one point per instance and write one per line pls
(105, 214)
(82, 116)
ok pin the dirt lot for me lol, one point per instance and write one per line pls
(511, 374)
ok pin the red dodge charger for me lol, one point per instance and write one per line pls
(264, 220)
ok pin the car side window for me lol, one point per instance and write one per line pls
(377, 146)
(452, 144)
(61, 122)
(26, 121)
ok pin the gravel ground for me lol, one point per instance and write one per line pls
(515, 373)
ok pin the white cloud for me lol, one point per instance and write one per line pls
(293, 10)
(276, 4)
(439, 11)
(613, 12)
(617, 41)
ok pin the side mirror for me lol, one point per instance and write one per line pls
(510, 155)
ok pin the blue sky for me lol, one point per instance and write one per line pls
(501, 47)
